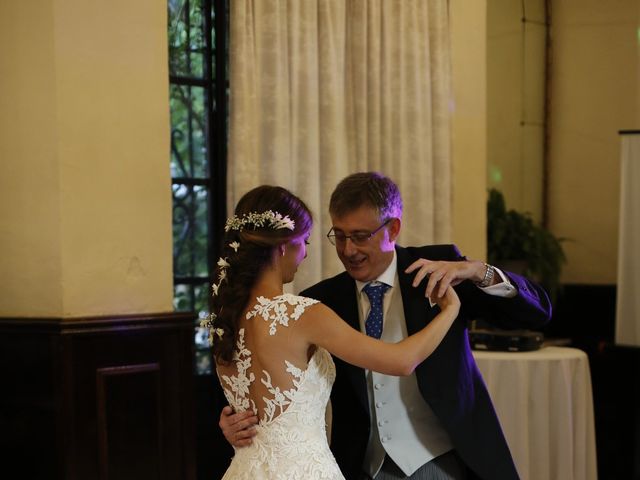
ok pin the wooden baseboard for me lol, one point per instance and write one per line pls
(109, 397)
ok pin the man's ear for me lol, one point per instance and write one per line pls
(394, 229)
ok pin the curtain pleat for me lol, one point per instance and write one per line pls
(324, 88)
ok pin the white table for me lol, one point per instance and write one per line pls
(545, 405)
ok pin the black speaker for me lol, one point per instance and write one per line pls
(505, 340)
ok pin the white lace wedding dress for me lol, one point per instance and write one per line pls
(291, 441)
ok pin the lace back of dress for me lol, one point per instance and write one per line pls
(261, 377)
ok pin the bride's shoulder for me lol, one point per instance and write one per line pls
(285, 305)
(286, 299)
(298, 299)
(299, 304)
(308, 307)
(304, 300)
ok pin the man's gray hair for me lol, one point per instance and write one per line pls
(370, 189)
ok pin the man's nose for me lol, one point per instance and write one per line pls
(349, 247)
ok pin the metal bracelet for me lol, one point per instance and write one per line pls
(488, 276)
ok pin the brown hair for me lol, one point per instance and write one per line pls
(371, 189)
(252, 256)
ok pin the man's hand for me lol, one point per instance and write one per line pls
(238, 428)
(444, 274)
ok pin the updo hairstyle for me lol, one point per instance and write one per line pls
(247, 260)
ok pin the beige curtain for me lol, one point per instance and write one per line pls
(628, 300)
(324, 88)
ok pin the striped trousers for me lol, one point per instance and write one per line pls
(445, 467)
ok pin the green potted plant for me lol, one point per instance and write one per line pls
(514, 237)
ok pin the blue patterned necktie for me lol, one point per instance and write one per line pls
(373, 324)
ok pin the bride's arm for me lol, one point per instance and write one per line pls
(323, 327)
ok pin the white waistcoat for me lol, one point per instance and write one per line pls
(402, 423)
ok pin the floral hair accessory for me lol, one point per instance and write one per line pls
(223, 264)
(208, 324)
(268, 218)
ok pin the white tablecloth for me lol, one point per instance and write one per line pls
(545, 405)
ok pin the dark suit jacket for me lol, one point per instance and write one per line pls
(449, 380)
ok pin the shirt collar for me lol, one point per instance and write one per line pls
(388, 276)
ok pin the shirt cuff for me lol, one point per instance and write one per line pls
(502, 289)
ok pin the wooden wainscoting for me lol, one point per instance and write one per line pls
(107, 398)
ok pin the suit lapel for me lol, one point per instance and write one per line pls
(346, 304)
(417, 311)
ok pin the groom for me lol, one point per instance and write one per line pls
(439, 422)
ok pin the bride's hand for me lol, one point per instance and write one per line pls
(449, 301)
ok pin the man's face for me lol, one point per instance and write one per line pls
(367, 260)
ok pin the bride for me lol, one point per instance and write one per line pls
(273, 350)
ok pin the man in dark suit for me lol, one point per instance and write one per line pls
(438, 422)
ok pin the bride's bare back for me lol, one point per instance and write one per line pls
(273, 375)
(270, 356)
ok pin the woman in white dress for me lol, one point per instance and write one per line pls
(273, 350)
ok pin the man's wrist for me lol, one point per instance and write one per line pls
(487, 280)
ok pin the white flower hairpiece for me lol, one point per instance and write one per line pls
(223, 264)
(268, 218)
(208, 324)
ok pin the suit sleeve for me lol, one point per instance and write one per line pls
(529, 309)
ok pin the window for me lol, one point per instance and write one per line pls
(198, 100)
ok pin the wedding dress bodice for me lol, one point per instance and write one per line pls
(291, 440)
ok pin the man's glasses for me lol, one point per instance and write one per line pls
(357, 238)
